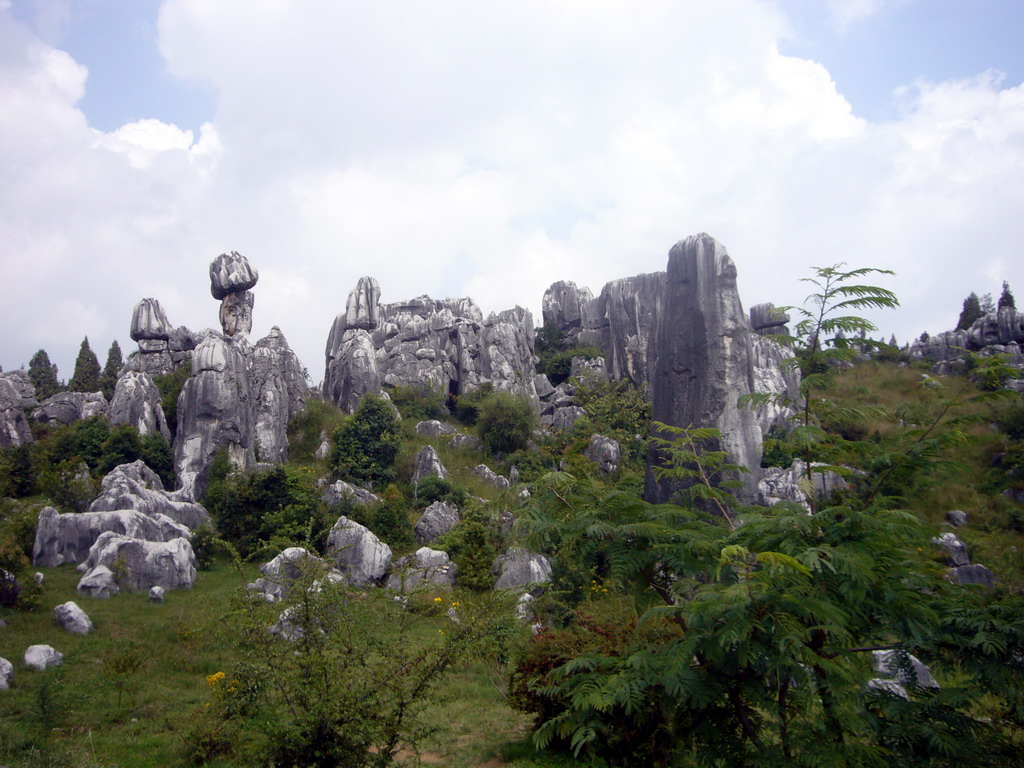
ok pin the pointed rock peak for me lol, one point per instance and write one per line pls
(231, 273)
(362, 309)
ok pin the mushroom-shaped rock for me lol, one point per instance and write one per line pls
(149, 322)
(235, 313)
(231, 273)
(67, 538)
(139, 565)
(362, 558)
(137, 402)
(136, 486)
(428, 464)
(436, 520)
(6, 674)
(519, 567)
(434, 428)
(604, 452)
(40, 657)
(73, 619)
(904, 668)
(956, 550)
(339, 491)
(425, 566)
(68, 407)
(362, 308)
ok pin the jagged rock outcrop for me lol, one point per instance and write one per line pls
(956, 550)
(67, 538)
(339, 490)
(279, 392)
(139, 565)
(779, 484)
(136, 486)
(435, 428)
(161, 347)
(436, 520)
(285, 568)
(702, 359)
(604, 452)
(14, 427)
(362, 558)
(427, 464)
(136, 401)
(6, 674)
(68, 407)
(446, 345)
(215, 409)
(73, 619)
(491, 477)
(904, 668)
(424, 566)
(231, 277)
(774, 374)
(766, 320)
(519, 567)
(996, 332)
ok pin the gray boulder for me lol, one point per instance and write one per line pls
(564, 306)
(41, 657)
(543, 386)
(887, 687)
(6, 674)
(436, 520)
(604, 452)
(778, 484)
(231, 273)
(285, 568)
(149, 322)
(702, 360)
(904, 668)
(973, 573)
(563, 419)
(161, 347)
(73, 619)
(428, 464)
(435, 428)
(68, 538)
(956, 550)
(14, 428)
(136, 486)
(519, 568)
(68, 407)
(466, 443)
(362, 558)
(99, 583)
(956, 517)
(215, 410)
(491, 477)
(425, 567)
(156, 594)
(339, 490)
(137, 402)
(138, 565)
(279, 393)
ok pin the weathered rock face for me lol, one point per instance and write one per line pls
(604, 452)
(139, 565)
(565, 306)
(235, 313)
(136, 401)
(41, 657)
(6, 674)
(161, 347)
(136, 486)
(766, 320)
(436, 520)
(362, 558)
(778, 484)
(279, 392)
(68, 538)
(956, 550)
(445, 345)
(428, 464)
(73, 619)
(488, 475)
(773, 374)
(285, 568)
(435, 428)
(231, 273)
(14, 428)
(424, 566)
(997, 332)
(339, 490)
(519, 568)
(67, 407)
(702, 358)
(903, 667)
(215, 409)
(99, 583)
(973, 573)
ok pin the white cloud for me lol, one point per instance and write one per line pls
(848, 13)
(484, 149)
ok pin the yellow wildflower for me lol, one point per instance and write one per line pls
(216, 677)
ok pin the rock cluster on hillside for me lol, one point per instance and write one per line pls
(999, 332)
(446, 345)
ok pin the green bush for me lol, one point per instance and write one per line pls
(308, 427)
(170, 386)
(418, 402)
(122, 446)
(159, 456)
(472, 547)
(365, 447)
(467, 406)
(436, 488)
(506, 422)
(17, 474)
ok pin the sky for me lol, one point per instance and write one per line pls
(488, 149)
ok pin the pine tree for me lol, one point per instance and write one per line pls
(86, 377)
(1006, 298)
(43, 375)
(109, 378)
(971, 311)
(987, 304)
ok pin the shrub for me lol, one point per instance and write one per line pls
(170, 386)
(122, 446)
(506, 422)
(472, 547)
(307, 429)
(418, 402)
(436, 488)
(366, 446)
(467, 406)
(159, 456)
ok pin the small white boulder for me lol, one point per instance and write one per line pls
(39, 657)
(72, 619)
